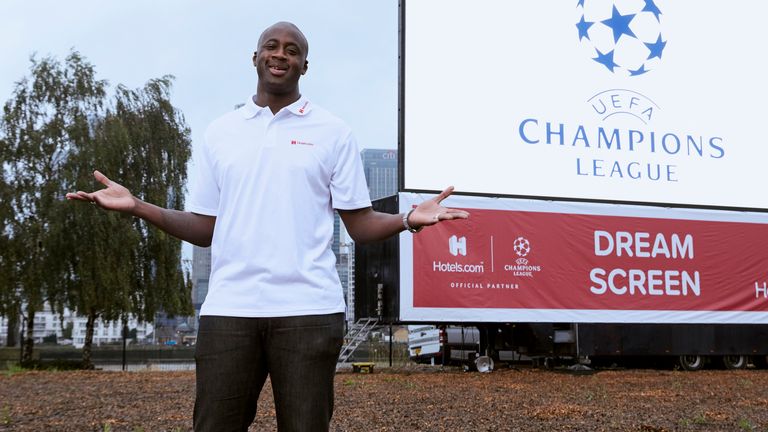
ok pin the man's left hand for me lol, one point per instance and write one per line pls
(431, 212)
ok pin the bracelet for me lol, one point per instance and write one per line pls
(407, 225)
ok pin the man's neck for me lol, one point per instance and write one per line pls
(275, 102)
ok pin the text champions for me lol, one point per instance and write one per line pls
(650, 282)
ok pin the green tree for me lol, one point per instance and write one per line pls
(47, 117)
(160, 148)
(57, 127)
(9, 307)
(120, 265)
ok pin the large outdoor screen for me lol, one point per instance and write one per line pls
(638, 101)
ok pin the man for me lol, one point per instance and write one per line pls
(267, 180)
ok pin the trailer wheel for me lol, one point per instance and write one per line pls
(691, 362)
(734, 361)
(484, 364)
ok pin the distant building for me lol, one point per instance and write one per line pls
(341, 246)
(380, 167)
(201, 274)
(338, 234)
(49, 323)
(346, 268)
(109, 331)
(172, 329)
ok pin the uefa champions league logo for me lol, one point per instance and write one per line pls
(521, 246)
(624, 36)
(522, 266)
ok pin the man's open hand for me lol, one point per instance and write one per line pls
(431, 212)
(113, 197)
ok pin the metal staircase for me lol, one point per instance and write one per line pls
(357, 334)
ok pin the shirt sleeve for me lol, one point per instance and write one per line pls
(349, 191)
(204, 190)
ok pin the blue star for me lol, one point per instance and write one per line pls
(583, 26)
(656, 48)
(639, 71)
(650, 6)
(605, 59)
(620, 24)
(580, 3)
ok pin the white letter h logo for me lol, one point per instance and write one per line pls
(458, 245)
(764, 290)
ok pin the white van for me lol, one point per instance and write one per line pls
(424, 344)
(428, 343)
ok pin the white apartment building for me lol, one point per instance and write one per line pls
(48, 322)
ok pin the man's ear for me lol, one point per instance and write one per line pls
(306, 66)
(255, 54)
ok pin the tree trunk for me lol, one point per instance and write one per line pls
(28, 344)
(13, 329)
(87, 346)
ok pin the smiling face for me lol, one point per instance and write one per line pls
(281, 60)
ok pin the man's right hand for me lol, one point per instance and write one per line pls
(114, 197)
(192, 227)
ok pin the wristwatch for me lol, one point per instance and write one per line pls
(407, 225)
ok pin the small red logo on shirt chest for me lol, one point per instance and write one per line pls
(297, 142)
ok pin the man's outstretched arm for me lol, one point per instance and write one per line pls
(366, 225)
(191, 227)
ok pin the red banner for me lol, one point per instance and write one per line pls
(533, 260)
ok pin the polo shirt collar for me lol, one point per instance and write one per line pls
(300, 108)
(250, 109)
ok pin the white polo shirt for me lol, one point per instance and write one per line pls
(272, 181)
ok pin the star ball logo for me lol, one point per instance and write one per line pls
(522, 267)
(624, 36)
(521, 246)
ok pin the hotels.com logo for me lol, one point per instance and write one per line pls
(297, 142)
(457, 246)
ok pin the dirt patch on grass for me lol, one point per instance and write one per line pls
(421, 399)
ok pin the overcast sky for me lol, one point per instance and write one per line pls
(208, 46)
